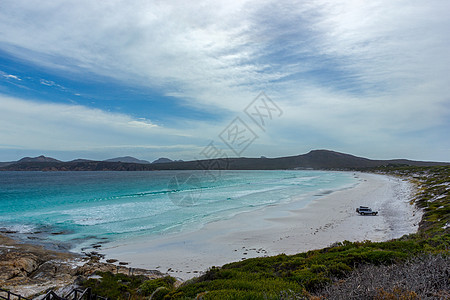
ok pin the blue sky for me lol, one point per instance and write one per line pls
(100, 79)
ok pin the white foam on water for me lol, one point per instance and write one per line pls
(88, 206)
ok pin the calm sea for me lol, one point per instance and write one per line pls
(78, 209)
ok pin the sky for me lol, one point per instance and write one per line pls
(202, 79)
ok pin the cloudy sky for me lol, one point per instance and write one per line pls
(99, 79)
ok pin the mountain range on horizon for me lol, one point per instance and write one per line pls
(315, 159)
(128, 159)
(123, 159)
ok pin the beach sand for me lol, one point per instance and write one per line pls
(282, 228)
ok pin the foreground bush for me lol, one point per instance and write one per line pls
(422, 277)
(121, 286)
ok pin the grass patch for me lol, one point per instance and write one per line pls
(121, 286)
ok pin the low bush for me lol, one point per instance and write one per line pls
(422, 277)
(121, 286)
(149, 287)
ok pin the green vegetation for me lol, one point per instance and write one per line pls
(121, 286)
(298, 276)
(157, 288)
(117, 286)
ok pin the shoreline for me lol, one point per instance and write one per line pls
(282, 228)
(31, 269)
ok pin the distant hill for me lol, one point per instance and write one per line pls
(162, 160)
(6, 163)
(80, 160)
(41, 158)
(127, 159)
(315, 159)
(25, 160)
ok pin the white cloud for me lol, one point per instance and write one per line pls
(57, 128)
(210, 52)
(48, 83)
(141, 124)
(200, 51)
(12, 76)
(350, 70)
(31, 124)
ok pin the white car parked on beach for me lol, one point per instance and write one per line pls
(364, 210)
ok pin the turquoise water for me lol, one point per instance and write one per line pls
(76, 209)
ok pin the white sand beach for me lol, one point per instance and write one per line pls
(280, 229)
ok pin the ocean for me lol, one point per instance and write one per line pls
(76, 210)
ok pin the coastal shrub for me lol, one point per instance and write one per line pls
(242, 282)
(311, 278)
(422, 277)
(159, 293)
(149, 286)
(239, 295)
(318, 268)
(383, 257)
(256, 265)
(338, 269)
(114, 286)
(396, 294)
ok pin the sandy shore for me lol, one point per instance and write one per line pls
(280, 229)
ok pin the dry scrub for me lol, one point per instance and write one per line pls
(425, 277)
